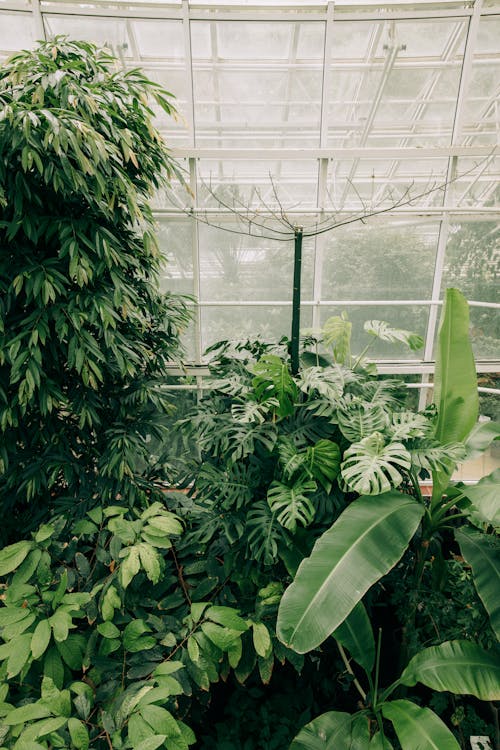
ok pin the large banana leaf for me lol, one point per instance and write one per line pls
(459, 667)
(330, 731)
(455, 380)
(371, 467)
(484, 497)
(418, 728)
(379, 742)
(481, 437)
(362, 545)
(482, 552)
(356, 635)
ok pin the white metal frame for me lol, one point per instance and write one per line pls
(329, 13)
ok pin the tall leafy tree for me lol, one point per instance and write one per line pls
(84, 332)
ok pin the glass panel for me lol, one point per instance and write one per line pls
(481, 116)
(394, 83)
(242, 267)
(257, 84)
(472, 262)
(478, 182)
(175, 237)
(371, 184)
(105, 32)
(16, 32)
(411, 318)
(380, 261)
(485, 332)
(258, 184)
(249, 323)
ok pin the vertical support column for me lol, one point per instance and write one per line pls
(196, 263)
(38, 21)
(195, 248)
(322, 188)
(297, 270)
(189, 70)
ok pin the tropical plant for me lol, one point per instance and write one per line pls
(84, 333)
(107, 637)
(371, 536)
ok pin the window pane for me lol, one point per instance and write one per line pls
(380, 261)
(248, 323)
(242, 267)
(394, 83)
(16, 32)
(175, 238)
(257, 83)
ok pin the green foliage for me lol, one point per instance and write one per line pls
(84, 333)
(97, 649)
(361, 546)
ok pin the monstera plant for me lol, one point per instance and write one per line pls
(372, 534)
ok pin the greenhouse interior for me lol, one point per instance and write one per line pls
(250, 375)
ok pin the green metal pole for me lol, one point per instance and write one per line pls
(297, 267)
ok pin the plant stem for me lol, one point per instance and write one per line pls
(349, 669)
(360, 357)
(377, 668)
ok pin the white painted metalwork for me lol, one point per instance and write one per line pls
(385, 123)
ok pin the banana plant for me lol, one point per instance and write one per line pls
(377, 528)
(455, 666)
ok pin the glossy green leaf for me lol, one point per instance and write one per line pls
(78, 733)
(135, 638)
(108, 629)
(261, 639)
(356, 635)
(29, 712)
(226, 616)
(418, 728)
(455, 379)
(20, 653)
(13, 555)
(480, 438)
(40, 639)
(362, 545)
(482, 553)
(160, 720)
(151, 743)
(379, 742)
(484, 497)
(460, 667)
(330, 731)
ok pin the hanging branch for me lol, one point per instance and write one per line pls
(291, 231)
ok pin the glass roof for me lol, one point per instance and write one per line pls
(323, 114)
